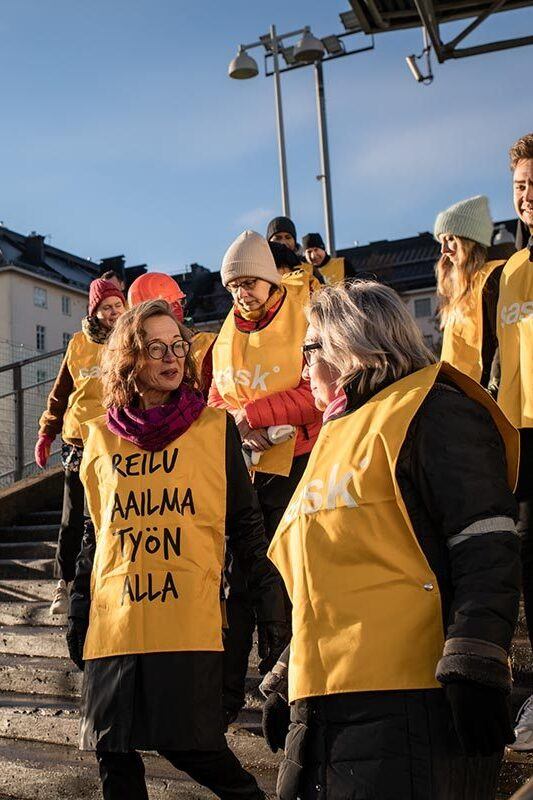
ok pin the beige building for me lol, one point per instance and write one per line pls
(37, 314)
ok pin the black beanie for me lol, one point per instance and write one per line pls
(283, 256)
(281, 225)
(313, 240)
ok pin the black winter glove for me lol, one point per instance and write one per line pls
(480, 716)
(272, 639)
(276, 718)
(76, 633)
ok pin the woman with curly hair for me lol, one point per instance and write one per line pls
(166, 484)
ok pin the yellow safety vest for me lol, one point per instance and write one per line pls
(334, 271)
(160, 524)
(367, 610)
(200, 344)
(515, 337)
(248, 366)
(462, 339)
(85, 401)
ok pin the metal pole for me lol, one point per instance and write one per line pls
(279, 122)
(19, 422)
(325, 177)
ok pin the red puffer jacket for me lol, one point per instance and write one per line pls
(293, 407)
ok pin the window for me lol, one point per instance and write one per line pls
(40, 338)
(41, 375)
(65, 305)
(39, 297)
(423, 307)
(66, 339)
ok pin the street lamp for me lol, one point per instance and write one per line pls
(244, 66)
(307, 50)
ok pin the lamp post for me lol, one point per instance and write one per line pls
(308, 50)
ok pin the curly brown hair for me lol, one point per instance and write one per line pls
(122, 358)
(521, 150)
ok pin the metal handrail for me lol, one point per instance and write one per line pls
(31, 360)
(17, 392)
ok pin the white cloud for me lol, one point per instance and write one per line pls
(255, 218)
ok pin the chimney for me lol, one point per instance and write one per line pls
(33, 251)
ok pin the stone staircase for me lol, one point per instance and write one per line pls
(39, 690)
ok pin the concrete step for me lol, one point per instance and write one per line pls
(26, 568)
(31, 613)
(25, 533)
(26, 590)
(522, 662)
(33, 640)
(51, 517)
(30, 771)
(56, 677)
(17, 550)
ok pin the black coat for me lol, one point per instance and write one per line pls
(385, 745)
(173, 701)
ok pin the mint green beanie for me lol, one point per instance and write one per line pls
(469, 218)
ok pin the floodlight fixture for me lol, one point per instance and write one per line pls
(333, 44)
(309, 49)
(243, 66)
(349, 20)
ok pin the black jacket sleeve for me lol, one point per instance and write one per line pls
(80, 594)
(245, 534)
(459, 467)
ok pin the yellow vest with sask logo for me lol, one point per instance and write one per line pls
(160, 525)
(334, 271)
(462, 340)
(85, 401)
(515, 337)
(248, 366)
(367, 610)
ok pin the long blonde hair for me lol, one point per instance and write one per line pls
(123, 355)
(367, 334)
(454, 283)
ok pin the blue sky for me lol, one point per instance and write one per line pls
(121, 132)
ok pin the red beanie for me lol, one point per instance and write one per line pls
(99, 290)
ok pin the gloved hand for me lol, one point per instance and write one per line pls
(276, 718)
(272, 639)
(42, 449)
(480, 716)
(76, 633)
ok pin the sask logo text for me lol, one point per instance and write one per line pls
(516, 312)
(322, 494)
(90, 372)
(244, 377)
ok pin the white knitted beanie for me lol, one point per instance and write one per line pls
(469, 218)
(249, 256)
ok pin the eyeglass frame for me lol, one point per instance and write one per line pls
(234, 289)
(184, 345)
(308, 348)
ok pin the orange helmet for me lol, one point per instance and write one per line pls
(156, 286)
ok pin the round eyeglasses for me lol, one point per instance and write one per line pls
(158, 350)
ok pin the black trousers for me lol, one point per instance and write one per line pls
(274, 493)
(122, 774)
(524, 496)
(71, 527)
